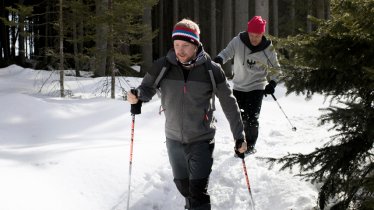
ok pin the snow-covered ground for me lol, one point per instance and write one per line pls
(73, 153)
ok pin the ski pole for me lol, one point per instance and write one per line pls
(130, 165)
(135, 109)
(248, 185)
(275, 99)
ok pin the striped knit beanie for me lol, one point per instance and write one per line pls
(184, 31)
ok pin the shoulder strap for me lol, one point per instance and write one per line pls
(269, 62)
(160, 76)
(208, 66)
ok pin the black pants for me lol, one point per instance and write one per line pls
(191, 165)
(250, 104)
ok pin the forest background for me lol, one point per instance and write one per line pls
(96, 34)
(324, 46)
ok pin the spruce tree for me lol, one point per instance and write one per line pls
(337, 60)
(128, 32)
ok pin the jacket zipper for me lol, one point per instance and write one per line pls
(184, 93)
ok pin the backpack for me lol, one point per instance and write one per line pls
(208, 66)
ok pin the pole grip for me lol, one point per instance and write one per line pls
(136, 108)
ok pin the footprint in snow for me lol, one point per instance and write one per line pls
(275, 133)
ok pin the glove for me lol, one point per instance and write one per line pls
(136, 108)
(270, 88)
(238, 145)
(218, 60)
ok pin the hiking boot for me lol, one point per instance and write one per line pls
(250, 150)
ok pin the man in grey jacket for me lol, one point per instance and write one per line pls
(255, 63)
(187, 99)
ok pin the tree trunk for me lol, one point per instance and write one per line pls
(147, 49)
(328, 12)
(196, 10)
(262, 9)
(14, 38)
(46, 33)
(21, 37)
(101, 39)
(111, 67)
(227, 32)
(75, 43)
(175, 11)
(4, 31)
(61, 67)
(81, 42)
(293, 17)
(213, 29)
(309, 13)
(320, 8)
(275, 18)
(161, 29)
(241, 15)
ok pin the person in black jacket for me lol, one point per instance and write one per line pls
(188, 89)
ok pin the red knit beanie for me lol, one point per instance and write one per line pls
(257, 25)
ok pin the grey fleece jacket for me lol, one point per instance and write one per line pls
(187, 104)
(251, 69)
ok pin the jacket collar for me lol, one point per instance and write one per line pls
(200, 59)
(244, 37)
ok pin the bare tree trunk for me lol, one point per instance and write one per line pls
(46, 33)
(262, 9)
(241, 15)
(175, 11)
(196, 10)
(147, 49)
(161, 29)
(101, 39)
(308, 22)
(61, 66)
(4, 31)
(21, 37)
(81, 42)
(14, 38)
(320, 8)
(74, 24)
(293, 17)
(75, 43)
(213, 29)
(111, 67)
(328, 12)
(275, 18)
(227, 32)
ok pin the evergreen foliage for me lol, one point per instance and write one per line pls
(337, 60)
(128, 30)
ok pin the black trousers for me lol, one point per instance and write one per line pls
(191, 165)
(250, 103)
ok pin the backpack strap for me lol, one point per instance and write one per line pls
(162, 73)
(208, 66)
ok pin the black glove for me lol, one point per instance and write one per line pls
(238, 144)
(218, 60)
(136, 108)
(270, 88)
